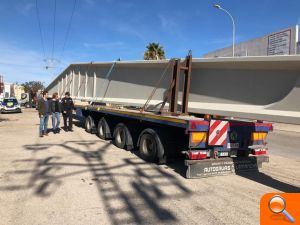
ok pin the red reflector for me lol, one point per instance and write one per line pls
(192, 125)
(194, 155)
(259, 152)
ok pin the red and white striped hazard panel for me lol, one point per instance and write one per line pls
(218, 132)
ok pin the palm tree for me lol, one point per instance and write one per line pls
(154, 52)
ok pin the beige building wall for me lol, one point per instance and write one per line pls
(283, 42)
(18, 91)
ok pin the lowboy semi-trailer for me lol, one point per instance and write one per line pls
(211, 145)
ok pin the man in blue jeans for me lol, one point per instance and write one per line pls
(55, 108)
(44, 111)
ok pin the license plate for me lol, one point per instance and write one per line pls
(223, 154)
(233, 145)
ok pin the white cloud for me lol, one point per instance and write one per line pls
(171, 24)
(25, 9)
(107, 45)
(20, 65)
(166, 22)
(90, 2)
(129, 29)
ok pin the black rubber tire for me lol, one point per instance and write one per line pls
(119, 137)
(122, 137)
(151, 148)
(103, 130)
(89, 124)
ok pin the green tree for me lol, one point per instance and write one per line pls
(33, 86)
(154, 52)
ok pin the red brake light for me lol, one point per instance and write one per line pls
(259, 151)
(197, 154)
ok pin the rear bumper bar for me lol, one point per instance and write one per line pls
(10, 110)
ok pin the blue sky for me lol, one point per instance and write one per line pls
(104, 30)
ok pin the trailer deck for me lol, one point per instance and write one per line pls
(119, 110)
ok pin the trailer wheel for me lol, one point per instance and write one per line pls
(122, 137)
(151, 148)
(89, 124)
(103, 130)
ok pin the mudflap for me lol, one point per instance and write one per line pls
(223, 166)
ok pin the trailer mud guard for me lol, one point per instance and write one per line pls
(223, 166)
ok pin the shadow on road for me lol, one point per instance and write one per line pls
(254, 175)
(138, 202)
(269, 181)
(4, 119)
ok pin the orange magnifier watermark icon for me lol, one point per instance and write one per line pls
(277, 205)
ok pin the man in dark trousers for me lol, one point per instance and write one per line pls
(44, 112)
(67, 108)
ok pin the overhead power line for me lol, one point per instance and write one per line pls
(50, 61)
(54, 29)
(68, 28)
(19, 65)
(40, 28)
(32, 66)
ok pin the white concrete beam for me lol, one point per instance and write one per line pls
(79, 84)
(85, 85)
(94, 88)
(73, 81)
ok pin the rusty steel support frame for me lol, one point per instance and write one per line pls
(186, 83)
(174, 90)
(174, 86)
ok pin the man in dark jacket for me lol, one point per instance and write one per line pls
(67, 109)
(55, 108)
(44, 111)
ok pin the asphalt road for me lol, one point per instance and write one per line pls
(76, 178)
(285, 144)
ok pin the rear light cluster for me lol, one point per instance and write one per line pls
(259, 151)
(197, 154)
(259, 136)
(198, 139)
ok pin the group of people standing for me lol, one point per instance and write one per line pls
(54, 107)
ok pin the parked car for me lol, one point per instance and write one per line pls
(10, 105)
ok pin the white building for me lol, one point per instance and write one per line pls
(7, 90)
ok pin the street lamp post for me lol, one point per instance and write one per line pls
(233, 26)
